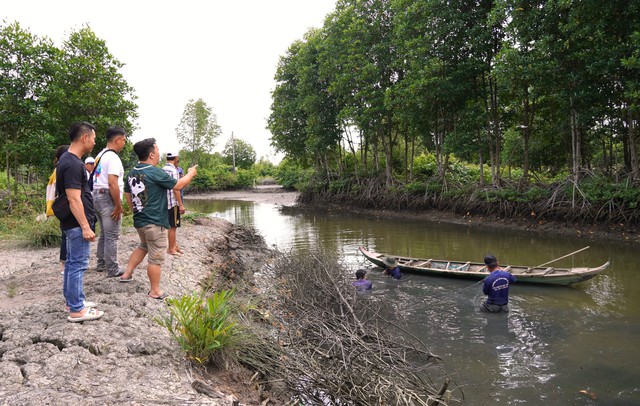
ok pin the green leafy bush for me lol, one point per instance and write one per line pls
(291, 175)
(44, 234)
(424, 167)
(202, 326)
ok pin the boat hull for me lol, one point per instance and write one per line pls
(477, 271)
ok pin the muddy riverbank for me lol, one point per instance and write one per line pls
(276, 195)
(125, 357)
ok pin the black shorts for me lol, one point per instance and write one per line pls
(174, 216)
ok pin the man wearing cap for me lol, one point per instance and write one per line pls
(391, 267)
(174, 203)
(108, 184)
(362, 284)
(88, 165)
(496, 287)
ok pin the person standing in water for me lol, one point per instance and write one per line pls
(496, 287)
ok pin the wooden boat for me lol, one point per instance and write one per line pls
(476, 270)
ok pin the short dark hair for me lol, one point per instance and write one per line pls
(79, 128)
(144, 148)
(490, 261)
(360, 273)
(114, 131)
(61, 150)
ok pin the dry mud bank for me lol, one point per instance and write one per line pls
(125, 357)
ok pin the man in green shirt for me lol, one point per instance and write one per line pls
(145, 190)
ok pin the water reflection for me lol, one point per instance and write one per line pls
(554, 342)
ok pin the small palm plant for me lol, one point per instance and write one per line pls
(203, 326)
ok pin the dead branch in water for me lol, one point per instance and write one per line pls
(334, 346)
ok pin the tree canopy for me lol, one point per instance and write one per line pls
(245, 155)
(546, 86)
(44, 89)
(198, 129)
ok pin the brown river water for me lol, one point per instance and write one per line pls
(577, 345)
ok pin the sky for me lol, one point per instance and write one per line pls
(225, 52)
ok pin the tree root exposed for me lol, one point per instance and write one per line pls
(566, 203)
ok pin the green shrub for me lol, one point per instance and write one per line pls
(192, 216)
(245, 178)
(424, 167)
(292, 176)
(202, 326)
(44, 234)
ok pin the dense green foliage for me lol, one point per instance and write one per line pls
(531, 88)
(240, 153)
(44, 89)
(203, 326)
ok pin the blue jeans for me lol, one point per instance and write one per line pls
(109, 234)
(78, 250)
(63, 247)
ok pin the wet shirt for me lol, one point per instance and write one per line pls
(148, 186)
(362, 285)
(71, 174)
(496, 287)
(394, 273)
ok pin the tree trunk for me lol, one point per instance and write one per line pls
(493, 84)
(576, 142)
(353, 150)
(526, 133)
(406, 155)
(376, 161)
(633, 151)
(8, 169)
(413, 155)
(387, 146)
(488, 102)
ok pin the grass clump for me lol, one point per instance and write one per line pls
(12, 288)
(202, 326)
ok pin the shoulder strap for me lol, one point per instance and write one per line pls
(100, 155)
(95, 166)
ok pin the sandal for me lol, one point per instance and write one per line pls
(129, 279)
(91, 314)
(85, 303)
(160, 298)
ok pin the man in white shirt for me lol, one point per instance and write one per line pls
(108, 184)
(174, 203)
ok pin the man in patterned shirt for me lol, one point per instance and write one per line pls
(174, 204)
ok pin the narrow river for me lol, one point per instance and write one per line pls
(576, 345)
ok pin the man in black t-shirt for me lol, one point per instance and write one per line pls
(78, 227)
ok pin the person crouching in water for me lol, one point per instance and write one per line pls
(496, 287)
(362, 284)
(391, 268)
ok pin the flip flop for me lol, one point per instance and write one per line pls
(175, 254)
(129, 279)
(160, 298)
(86, 304)
(91, 314)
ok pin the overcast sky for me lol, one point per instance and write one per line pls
(224, 52)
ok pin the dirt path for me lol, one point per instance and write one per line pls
(125, 357)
